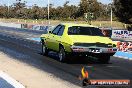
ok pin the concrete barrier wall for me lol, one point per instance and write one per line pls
(10, 25)
(26, 26)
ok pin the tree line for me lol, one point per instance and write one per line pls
(86, 9)
(65, 12)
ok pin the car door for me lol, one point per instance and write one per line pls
(51, 38)
(58, 37)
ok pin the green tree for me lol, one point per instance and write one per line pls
(123, 10)
(65, 12)
(89, 6)
(2, 11)
(35, 11)
(19, 9)
(68, 10)
(104, 12)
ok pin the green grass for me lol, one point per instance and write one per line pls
(108, 24)
(55, 22)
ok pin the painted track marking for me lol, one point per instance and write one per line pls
(10, 80)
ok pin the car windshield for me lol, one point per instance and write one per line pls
(79, 30)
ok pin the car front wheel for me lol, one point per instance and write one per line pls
(44, 49)
(62, 55)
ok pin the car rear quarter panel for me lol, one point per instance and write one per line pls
(66, 41)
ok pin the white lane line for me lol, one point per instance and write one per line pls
(109, 66)
(89, 66)
(10, 80)
(112, 66)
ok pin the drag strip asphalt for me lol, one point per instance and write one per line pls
(16, 45)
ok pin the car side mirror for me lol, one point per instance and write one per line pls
(50, 32)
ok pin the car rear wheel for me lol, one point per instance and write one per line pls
(44, 49)
(104, 58)
(62, 54)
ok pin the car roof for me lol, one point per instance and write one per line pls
(77, 24)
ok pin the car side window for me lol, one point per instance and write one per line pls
(60, 33)
(74, 30)
(55, 31)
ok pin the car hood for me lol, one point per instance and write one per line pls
(89, 39)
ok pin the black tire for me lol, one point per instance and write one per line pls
(62, 54)
(44, 49)
(104, 58)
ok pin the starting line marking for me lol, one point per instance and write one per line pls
(124, 55)
(10, 80)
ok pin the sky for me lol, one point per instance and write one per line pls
(44, 2)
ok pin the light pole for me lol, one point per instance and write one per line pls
(48, 13)
(111, 13)
(8, 9)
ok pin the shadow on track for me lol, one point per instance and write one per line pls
(77, 60)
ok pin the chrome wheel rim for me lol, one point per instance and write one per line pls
(61, 55)
(44, 49)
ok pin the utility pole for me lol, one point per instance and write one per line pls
(48, 13)
(8, 9)
(111, 13)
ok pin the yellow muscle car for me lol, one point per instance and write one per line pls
(69, 39)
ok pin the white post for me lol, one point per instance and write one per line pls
(125, 26)
(25, 21)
